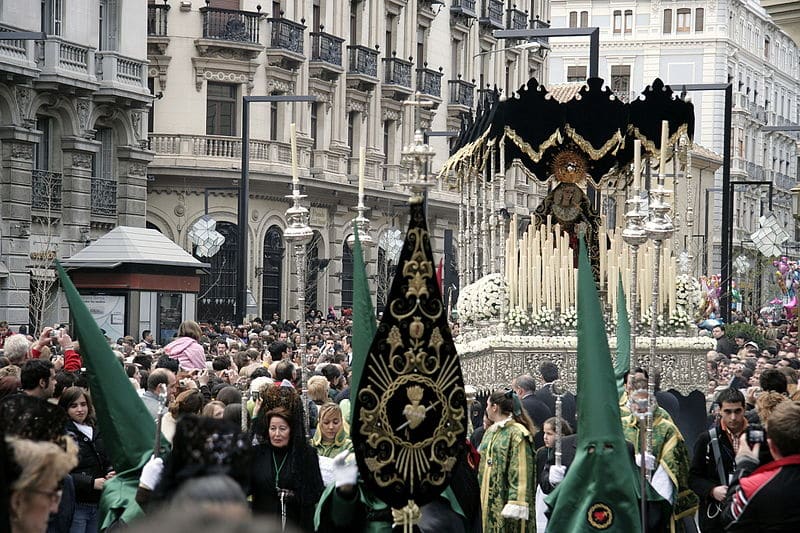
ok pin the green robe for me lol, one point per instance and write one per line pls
(340, 443)
(672, 455)
(507, 476)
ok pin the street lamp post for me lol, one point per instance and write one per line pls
(592, 32)
(244, 195)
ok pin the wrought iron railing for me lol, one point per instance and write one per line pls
(46, 190)
(104, 196)
(464, 7)
(230, 24)
(286, 34)
(516, 19)
(397, 71)
(461, 92)
(492, 13)
(157, 20)
(326, 47)
(429, 82)
(362, 60)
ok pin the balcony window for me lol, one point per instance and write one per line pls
(621, 81)
(461, 93)
(45, 190)
(576, 74)
(584, 19)
(108, 24)
(157, 20)
(326, 47)
(52, 15)
(104, 182)
(667, 28)
(221, 109)
(628, 21)
(617, 21)
(286, 35)
(683, 23)
(362, 60)
(397, 72)
(699, 19)
(573, 19)
(429, 82)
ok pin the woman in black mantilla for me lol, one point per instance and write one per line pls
(286, 480)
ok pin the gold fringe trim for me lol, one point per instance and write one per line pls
(614, 143)
(527, 149)
(649, 146)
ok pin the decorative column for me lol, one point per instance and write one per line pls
(76, 208)
(485, 251)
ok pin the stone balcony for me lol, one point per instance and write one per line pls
(492, 15)
(63, 63)
(18, 57)
(121, 77)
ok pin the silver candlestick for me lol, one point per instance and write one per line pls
(634, 236)
(298, 234)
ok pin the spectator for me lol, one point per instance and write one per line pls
(37, 378)
(213, 409)
(186, 348)
(160, 380)
(764, 499)
(724, 345)
(16, 349)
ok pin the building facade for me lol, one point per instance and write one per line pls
(73, 138)
(688, 41)
(368, 64)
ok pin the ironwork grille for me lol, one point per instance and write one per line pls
(273, 272)
(397, 72)
(104, 196)
(230, 24)
(287, 35)
(46, 190)
(429, 82)
(493, 10)
(217, 300)
(461, 92)
(363, 60)
(326, 47)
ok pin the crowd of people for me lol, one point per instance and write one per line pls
(243, 440)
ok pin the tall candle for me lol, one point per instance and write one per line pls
(662, 167)
(637, 165)
(361, 161)
(293, 141)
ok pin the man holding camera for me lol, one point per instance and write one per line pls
(713, 461)
(765, 498)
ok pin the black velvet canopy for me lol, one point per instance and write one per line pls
(535, 128)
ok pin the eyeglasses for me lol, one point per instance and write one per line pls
(54, 495)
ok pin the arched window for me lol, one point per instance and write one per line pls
(313, 268)
(272, 273)
(217, 300)
(347, 276)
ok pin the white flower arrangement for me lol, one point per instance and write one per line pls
(688, 293)
(544, 319)
(518, 318)
(482, 300)
(646, 320)
(569, 319)
(679, 320)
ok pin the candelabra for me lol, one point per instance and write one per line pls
(634, 236)
(417, 157)
(298, 234)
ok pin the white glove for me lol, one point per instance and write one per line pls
(345, 472)
(556, 474)
(151, 473)
(649, 461)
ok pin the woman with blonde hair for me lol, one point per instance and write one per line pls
(35, 482)
(187, 348)
(330, 439)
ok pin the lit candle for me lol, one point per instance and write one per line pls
(637, 165)
(662, 167)
(361, 162)
(293, 141)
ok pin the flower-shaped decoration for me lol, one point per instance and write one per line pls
(688, 294)
(569, 319)
(482, 300)
(518, 319)
(679, 320)
(647, 319)
(544, 319)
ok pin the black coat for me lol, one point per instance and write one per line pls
(568, 404)
(92, 464)
(703, 477)
(539, 413)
